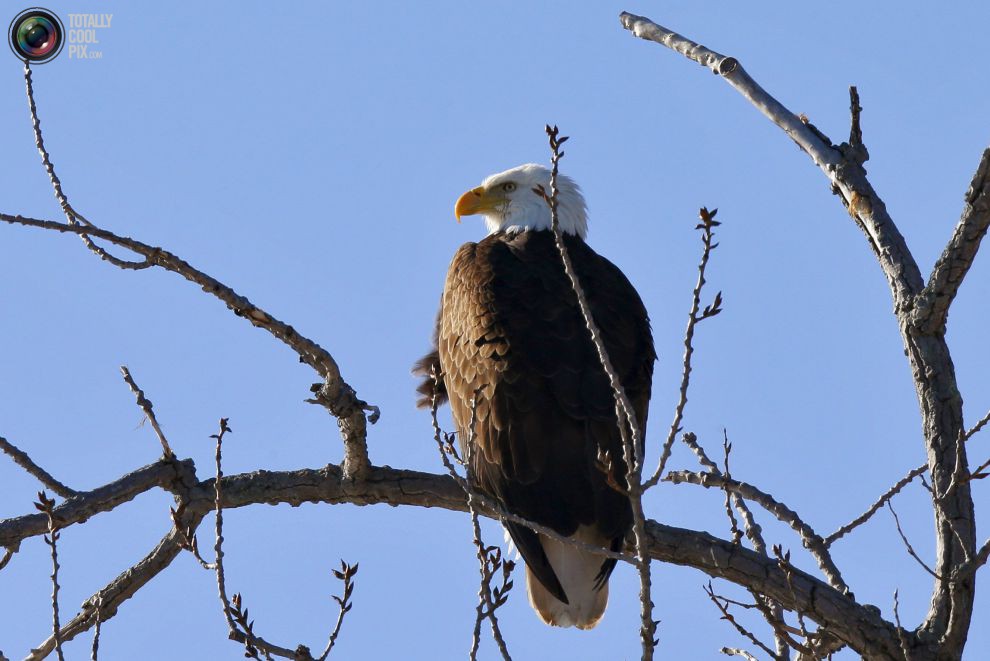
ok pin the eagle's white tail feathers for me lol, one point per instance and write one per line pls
(577, 571)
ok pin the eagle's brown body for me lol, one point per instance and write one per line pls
(509, 324)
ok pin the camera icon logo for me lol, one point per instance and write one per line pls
(36, 35)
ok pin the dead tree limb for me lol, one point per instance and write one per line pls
(920, 310)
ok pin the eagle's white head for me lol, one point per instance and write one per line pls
(509, 203)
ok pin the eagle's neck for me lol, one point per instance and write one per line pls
(532, 213)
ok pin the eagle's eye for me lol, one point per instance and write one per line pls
(508, 187)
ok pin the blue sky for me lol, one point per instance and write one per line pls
(310, 158)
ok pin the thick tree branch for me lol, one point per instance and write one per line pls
(952, 267)
(859, 626)
(149, 411)
(951, 610)
(844, 170)
(166, 474)
(809, 538)
(119, 590)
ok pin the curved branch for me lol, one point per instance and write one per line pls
(951, 609)
(104, 604)
(952, 267)
(843, 164)
(169, 475)
(861, 627)
(22, 459)
(809, 538)
(335, 394)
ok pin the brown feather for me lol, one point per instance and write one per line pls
(510, 324)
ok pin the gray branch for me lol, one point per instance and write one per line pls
(920, 312)
(842, 166)
(859, 626)
(809, 538)
(22, 459)
(959, 254)
(334, 393)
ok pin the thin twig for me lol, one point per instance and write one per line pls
(98, 618)
(116, 592)
(252, 643)
(24, 461)
(771, 610)
(231, 611)
(46, 505)
(809, 538)
(907, 544)
(735, 651)
(784, 561)
(187, 536)
(979, 472)
(148, 409)
(486, 605)
(881, 501)
(345, 574)
(978, 426)
(240, 627)
(733, 524)
(618, 390)
(71, 214)
(626, 421)
(334, 394)
(707, 227)
(901, 635)
(728, 617)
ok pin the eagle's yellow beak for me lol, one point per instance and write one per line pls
(477, 200)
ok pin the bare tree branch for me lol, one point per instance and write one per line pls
(959, 254)
(625, 416)
(901, 636)
(98, 619)
(79, 508)
(860, 627)
(632, 439)
(71, 214)
(951, 608)
(845, 174)
(978, 426)
(907, 544)
(334, 393)
(881, 501)
(707, 227)
(346, 575)
(723, 607)
(24, 461)
(122, 588)
(149, 411)
(487, 559)
(809, 538)
(47, 506)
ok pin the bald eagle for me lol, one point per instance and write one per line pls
(509, 323)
